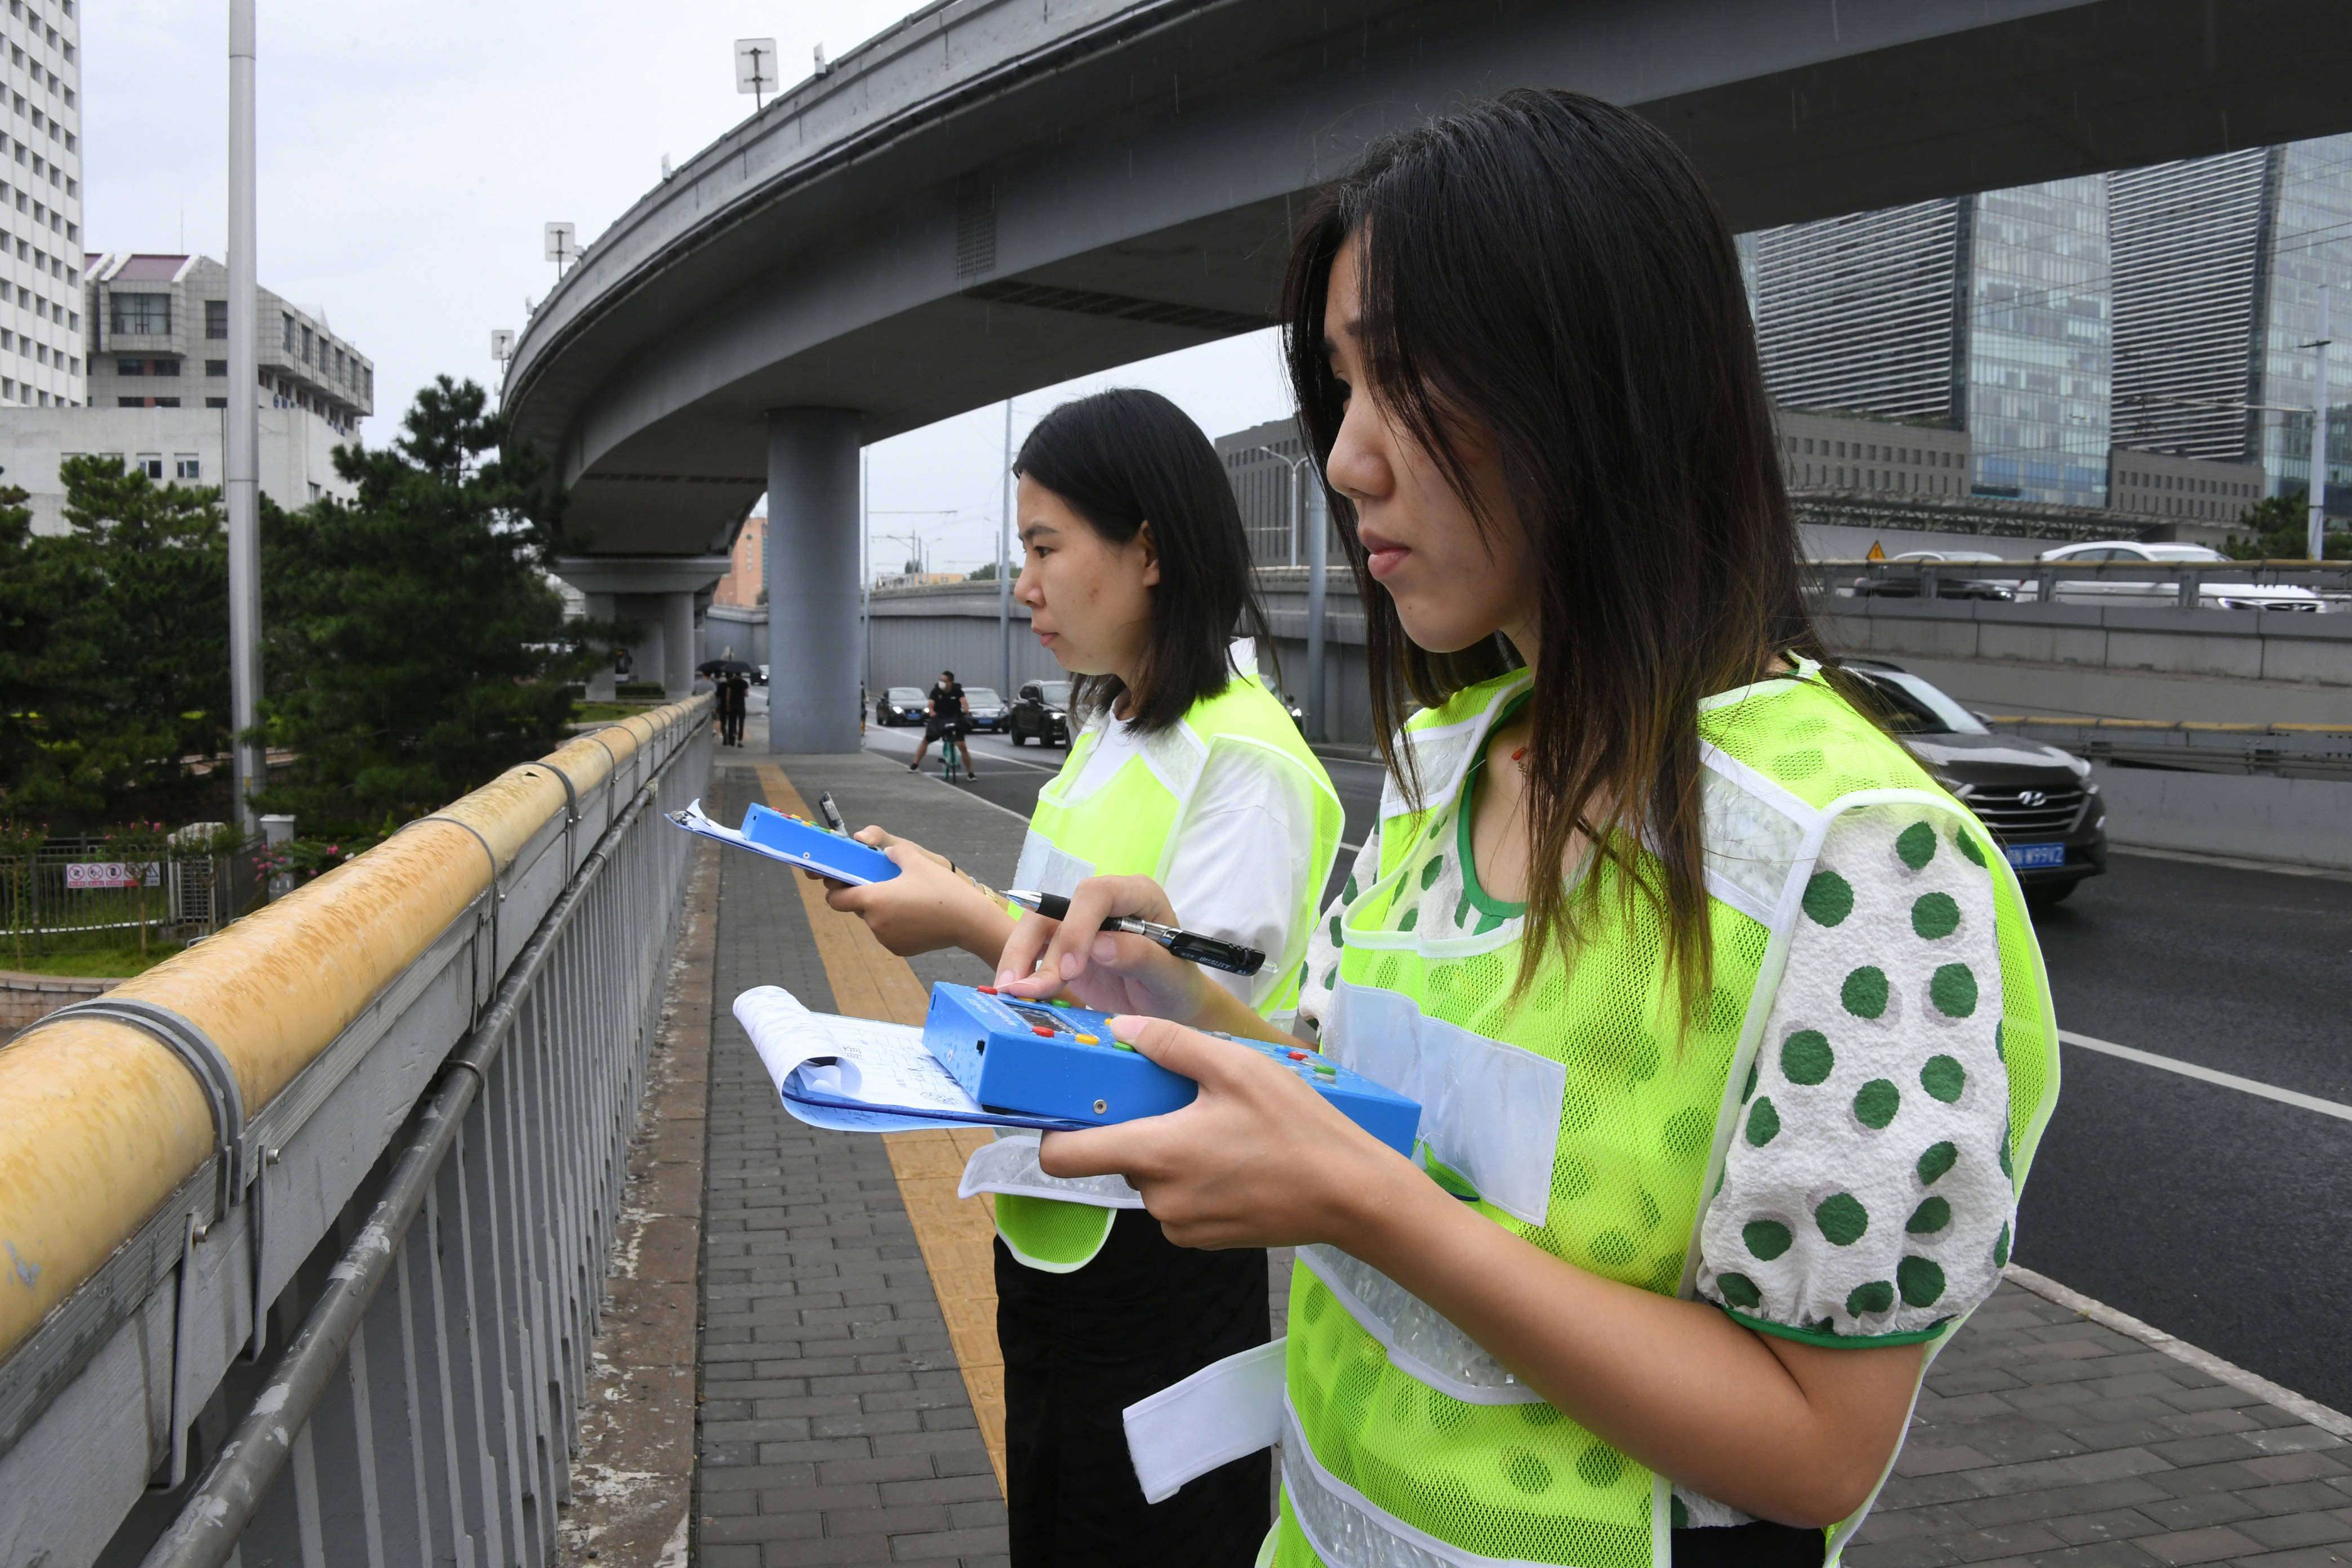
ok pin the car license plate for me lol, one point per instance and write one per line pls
(2028, 857)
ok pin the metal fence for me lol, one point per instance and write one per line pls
(83, 887)
(425, 1231)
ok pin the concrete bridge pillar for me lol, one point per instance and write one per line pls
(600, 684)
(812, 578)
(678, 643)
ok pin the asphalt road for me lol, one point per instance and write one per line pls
(2215, 1214)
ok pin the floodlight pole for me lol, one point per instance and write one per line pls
(241, 468)
(1319, 536)
(2316, 544)
(1004, 562)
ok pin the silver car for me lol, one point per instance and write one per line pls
(2211, 594)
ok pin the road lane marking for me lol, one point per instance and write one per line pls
(2208, 1074)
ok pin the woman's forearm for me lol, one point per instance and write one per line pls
(1783, 1430)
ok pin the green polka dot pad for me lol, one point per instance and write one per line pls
(1865, 1197)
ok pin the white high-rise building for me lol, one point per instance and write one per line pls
(41, 329)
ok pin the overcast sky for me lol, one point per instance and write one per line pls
(410, 152)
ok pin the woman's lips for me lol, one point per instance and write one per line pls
(1382, 556)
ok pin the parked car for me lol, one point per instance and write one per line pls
(1946, 588)
(760, 676)
(1041, 712)
(901, 705)
(2039, 802)
(2211, 594)
(988, 709)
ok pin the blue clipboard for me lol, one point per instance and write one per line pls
(795, 842)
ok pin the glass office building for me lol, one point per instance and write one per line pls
(2036, 342)
(1986, 313)
(2307, 245)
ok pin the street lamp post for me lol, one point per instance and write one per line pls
(1003, 563)
(1318, 553)
(241, 470)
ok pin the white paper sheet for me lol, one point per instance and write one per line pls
(854, 1075)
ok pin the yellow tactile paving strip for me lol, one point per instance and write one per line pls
(956, 1235)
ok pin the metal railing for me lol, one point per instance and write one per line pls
(2280, 751)
(2084, 581)
(417, 1209)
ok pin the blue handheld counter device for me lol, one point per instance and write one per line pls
(1040, 1060)
(830, 854)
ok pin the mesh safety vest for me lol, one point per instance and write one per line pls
(1590, 1115)
(1124, 826)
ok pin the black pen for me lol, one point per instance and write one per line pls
(1230, 956)
(831, 812)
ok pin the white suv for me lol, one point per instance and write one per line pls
(2211, 594)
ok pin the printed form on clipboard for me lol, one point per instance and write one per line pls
(855, 1075)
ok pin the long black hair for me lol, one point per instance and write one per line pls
(1549, 268)
(1124, 457)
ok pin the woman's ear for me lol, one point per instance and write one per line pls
(1151, 548)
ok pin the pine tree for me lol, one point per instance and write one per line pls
(417, 647)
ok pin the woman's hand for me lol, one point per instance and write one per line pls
(1258, 1160)
(1107, 971)
(928, 906)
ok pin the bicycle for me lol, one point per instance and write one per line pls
(952, 767)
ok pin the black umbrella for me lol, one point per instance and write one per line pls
(722, 666)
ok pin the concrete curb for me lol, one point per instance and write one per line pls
(2311, 1410)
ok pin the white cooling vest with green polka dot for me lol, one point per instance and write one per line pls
(1594, 1117)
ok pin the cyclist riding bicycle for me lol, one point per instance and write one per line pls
(948, 719)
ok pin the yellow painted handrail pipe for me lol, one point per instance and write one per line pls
(98, 1123)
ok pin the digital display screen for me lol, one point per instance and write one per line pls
(1038, 1017)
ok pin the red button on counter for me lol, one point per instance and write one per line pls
(1041, 1029)
(985, 990)
(1299, 1055)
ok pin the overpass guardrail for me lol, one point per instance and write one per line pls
(2282, 751)
(2098, 581)
(382, 1123)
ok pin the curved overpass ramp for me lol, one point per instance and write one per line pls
(998, 194)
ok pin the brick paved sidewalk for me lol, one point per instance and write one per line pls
(836, 1427)
(2043, 1437)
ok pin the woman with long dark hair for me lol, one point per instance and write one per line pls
(1188, 770)
(1728, 1028)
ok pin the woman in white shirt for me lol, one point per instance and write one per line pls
(1186, 770)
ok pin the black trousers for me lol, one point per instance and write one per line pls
(1080, 1348)
(1758, 1545)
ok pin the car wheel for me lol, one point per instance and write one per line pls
(2048, 897)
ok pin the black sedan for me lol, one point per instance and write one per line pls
(2041, 802)
(901, 705)
(1041, 714)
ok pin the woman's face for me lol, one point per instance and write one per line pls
(1453, 586)
(1089, 600)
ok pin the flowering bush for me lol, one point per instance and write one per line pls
(305, 859)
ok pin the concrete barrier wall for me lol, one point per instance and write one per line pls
(2095, 660)
(2305, 822)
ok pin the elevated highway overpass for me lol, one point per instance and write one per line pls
(997, 195)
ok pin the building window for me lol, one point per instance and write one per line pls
(216, 367)
(187, 466)
(130, 402)
(130, 368)
(166, 367)
(142, 314)
(305, 345)
(150, 464)
(167, 403)
(217, 318)
(288, 320)
(217, 403)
